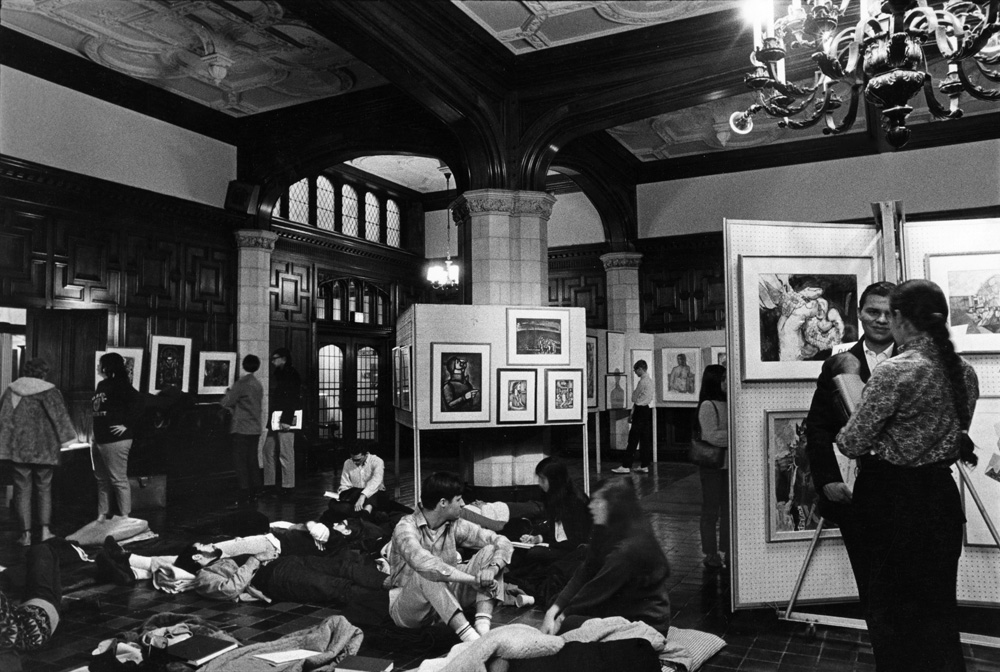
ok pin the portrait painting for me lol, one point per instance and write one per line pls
(985, 433)
(216, 372)
(564, 395)
(169, 363)
(460, 382)
(614, 390)
(133, 364)
(971, 283)
(591, 371)
(795, 310)
(616, 351)
(516, 396)
(681, 374)
(792, 502)
(537, 336)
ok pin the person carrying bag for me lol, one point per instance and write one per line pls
(710, 451)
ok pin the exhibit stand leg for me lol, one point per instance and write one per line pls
(656, 449)
(397, 489)
(416, 467)
(858, 624)
(597, 441)
(586, 460)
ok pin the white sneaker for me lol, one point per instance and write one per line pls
(642, 470)
(622, 470)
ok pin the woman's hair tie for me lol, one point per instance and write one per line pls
(937, 318)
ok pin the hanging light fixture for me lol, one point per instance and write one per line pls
(445, 276)
(883, 54)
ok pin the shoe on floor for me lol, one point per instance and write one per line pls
(642, 470)
(113, 571)
(714, 561)
(621, 470)
(114, 550)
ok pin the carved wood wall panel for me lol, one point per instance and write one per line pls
(682, 283)
(577, 280)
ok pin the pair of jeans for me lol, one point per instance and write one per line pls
(714, 506)
(37, 478)
(111, 470)
(285, 443)
(245, 461)
(640, 434)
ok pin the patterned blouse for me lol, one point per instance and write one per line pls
(907, 415)
(23, 627)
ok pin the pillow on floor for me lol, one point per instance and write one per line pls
(690, 648)
(93, 533)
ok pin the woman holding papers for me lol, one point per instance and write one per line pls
(913, 420)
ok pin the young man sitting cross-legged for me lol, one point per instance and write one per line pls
(428, 580)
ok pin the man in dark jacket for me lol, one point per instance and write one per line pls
(826, 419)
(284, 398)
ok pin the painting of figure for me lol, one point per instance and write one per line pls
(564, 394)
(460, 382)
(516, 400)
(517, 395)
(804, 315)
(170, 363)
(563, 401)
(682, 374)
(537, 336)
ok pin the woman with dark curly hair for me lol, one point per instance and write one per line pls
(116, 406)
(913, 421)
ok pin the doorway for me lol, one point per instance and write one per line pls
(352, 389)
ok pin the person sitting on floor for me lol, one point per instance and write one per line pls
(625, 571)
(361, 481)
(428, 580)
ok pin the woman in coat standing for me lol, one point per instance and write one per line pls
(34, 425)
(116, 407)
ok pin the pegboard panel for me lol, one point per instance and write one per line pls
(979, 567)
(764, 573)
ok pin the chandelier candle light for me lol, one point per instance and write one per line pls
(883, 54)
(444, 276)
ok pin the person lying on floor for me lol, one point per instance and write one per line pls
(30, 625)
(428, 581)
(625, 570)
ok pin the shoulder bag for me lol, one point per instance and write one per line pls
(705, 454)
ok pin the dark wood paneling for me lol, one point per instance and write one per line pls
(682, 283)
(577, 279)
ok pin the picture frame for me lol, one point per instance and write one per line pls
(396, 376)
(634, 356)
(592, 394)
(985, 433)
(825, 291)
(682, 369)
(406, 371)
(616, 351)
(517, 396)
(216, 372)
(973, 299)
(792, 503)
(565, 396)
(717, 354)
(615, 392)
(169, 363)
(133, 364)
(460, 382)
(537, 336)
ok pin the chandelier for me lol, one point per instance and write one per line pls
(883, 54)
(445, 276)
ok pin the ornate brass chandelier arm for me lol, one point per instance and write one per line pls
(976, 91)
(833, 128)
(937, 110)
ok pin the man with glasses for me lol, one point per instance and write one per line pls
(284, 398)
(361, 481)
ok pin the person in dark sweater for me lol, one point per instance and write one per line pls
(567, 520)
(117, 406)
(285, 397)
(625, 571)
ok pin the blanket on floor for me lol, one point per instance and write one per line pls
(335, 637)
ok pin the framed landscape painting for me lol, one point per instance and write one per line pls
(985, 478)
(794, 309)
(564, 395)
(517, 392)
(169, 363)
(460, 382)
(592, 372)
(133, 364)
(537, 336)
(971, 282)
(681, 374)
(216, 372)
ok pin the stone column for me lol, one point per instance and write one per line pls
(508, 255)
(253, 315)
(622, 273)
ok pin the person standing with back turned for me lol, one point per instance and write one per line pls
(244, 400)
(285, 384)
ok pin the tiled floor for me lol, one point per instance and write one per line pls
(756, 640)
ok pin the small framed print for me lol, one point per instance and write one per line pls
(169, 363)
(564, 395)
(133, 364)
(216, 372)
(717, 355)
(460, 382)
(517, 396)
(592, 372)
(405, 377)
(396, 377)
(537, 336)
(971, 282)
(616, 351)
(615, 392)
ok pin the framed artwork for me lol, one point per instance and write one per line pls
(591, 371)
(517, 391)
(792, 502)
(537, 336)
(971, 281)
(985, 478)
(564, 400)
(794, 308)
(405, 377)
(169, 363)
(460, 382)
(133, 364)
(615, 393)
(396, 375)
(717, 355)
(681, 374)
(216, 372)
(616, 351)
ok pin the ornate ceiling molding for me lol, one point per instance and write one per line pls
(256, 238)
(621, 260)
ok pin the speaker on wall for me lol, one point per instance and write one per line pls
(242, 197)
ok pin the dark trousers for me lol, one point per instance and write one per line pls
(640, 434)
(42, 579)
(846, 518)
(911, 525)
(245, 461)
(351, 495)
(714, 506)
(309, 579)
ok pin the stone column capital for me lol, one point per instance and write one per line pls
(620, 260)
(502, 202)
(256, 238)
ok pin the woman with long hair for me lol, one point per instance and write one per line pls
(713, 424)
(625, 571)
(116, 406)
(911, 427)
(567, 516)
